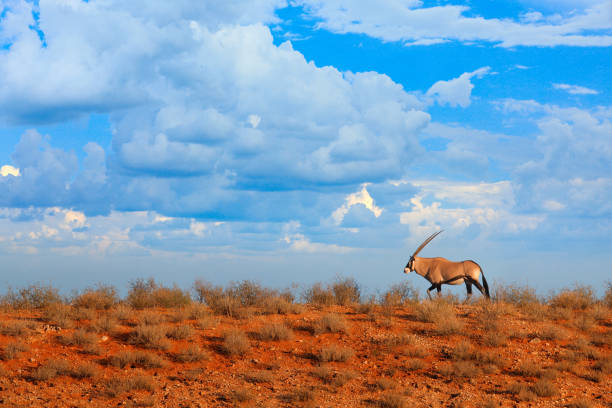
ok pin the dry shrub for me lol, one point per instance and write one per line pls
(78, 338)
(257, 377)
(331, 323)
(581, 403)
(103, 297)
(51, 369)
(385, 384)
(535, 312)
(495, 339)
(85, 370)
(280, 305)
(449, 325)
(241, 395)
(59, 314)
(346, 291)
(544, 388)
(319, 295)
(528, 369)
(136, 358)
(584, 322)
(35, 296)
(122, 312)
(522, 391)
(274, 332)
(206, 322)
(178, 316)
(416, 351)
(598, 312)
(579, 298)
(118, 385)
(413, 364)
(148, 293)
(153, 337)
(552, 332)
(181, 332)
(191, 354)
(607, 299)
(3, 372)
(335, 353)
(516, 295)
(235, 342)
(392, 340)
(93, 349)
(217, 299)
(342, 377)
(12, 350)
(399, 294)
(604, 365)
(392, 400)
(301, 394)
(593, 376)
(602, 339)
(197, 311)
(13, 328)
(433, 311)
(150, 318)
(104, 324)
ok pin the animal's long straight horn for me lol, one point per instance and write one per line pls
(427, 241)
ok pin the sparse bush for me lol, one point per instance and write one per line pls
(551, 332)
(495, 339)
(153, 337)
(217, 299)
(13, 328)
(104, 324)
(416, 351)
(51, 369)
(385, 384)
(12, 350)
(59, 314)
(191, 354)
(607, 299)
(257, 377)
(581, 403)
(392, 340)
(516, 295)
(136, 358)
(392, 400)
(331, 323)
(148, 293)
(302, 394)
(3, 372)
(206, 322)
(197, 311)
(85, 370)
(413, 364)
(78, 338)
(118, 385)
(102, 297)
(335, 353)
(122, 312)
(535, 312)
(584, 322)
(35, 296)
(241, 395)
(399, 294)
(274, 332)
(181, 332)
(346, 291)
(150, 318)
(579, 298)
(544, 388)
(433, 311)
(450, 325)
(178, 316)
(319, 295)
(235, 342)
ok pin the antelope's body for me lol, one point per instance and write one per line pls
(441, 271)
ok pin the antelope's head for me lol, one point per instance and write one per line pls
(410, 265)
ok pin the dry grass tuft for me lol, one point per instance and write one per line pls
(118, 385)
(331, 323)
(303, 395)
(85, 370)
(392, 400)
(552, 332)
(153, 337)
(544, 388)
(181, 332)
(103, 297)
(241, 395)
(12, 350)
(191, 354)
(51, 369)
(14, 328)
(274, 332)
(104, 324)
(335, 353)
(385, 384)
(59, 314)
(257, 377)
(136, 358)
(579, 298)
(235, 343)
(78, 338)
(581, 403)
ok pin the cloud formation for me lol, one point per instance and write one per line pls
(414, 24)
(575, 89)
(457, 91)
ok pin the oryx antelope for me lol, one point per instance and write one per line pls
(441, 271)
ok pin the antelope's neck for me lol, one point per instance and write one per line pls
(421, 266)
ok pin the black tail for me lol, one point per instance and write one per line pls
(484, 283)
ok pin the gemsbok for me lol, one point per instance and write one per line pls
(441, 271)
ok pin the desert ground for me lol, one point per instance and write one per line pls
(244, 345)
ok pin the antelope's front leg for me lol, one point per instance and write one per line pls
(429, 294)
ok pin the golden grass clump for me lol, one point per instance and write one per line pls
(191, 354)
(136, 358)
(274, 332)
(153, 337)
(335, 353)
(116, 386)
(331, 323)
(235, 342)
(103, 297)
(13, 349)
(14, 328)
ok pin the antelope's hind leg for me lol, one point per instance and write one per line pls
(468, 286)
(430, 288)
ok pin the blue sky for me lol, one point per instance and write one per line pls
(291, 141)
